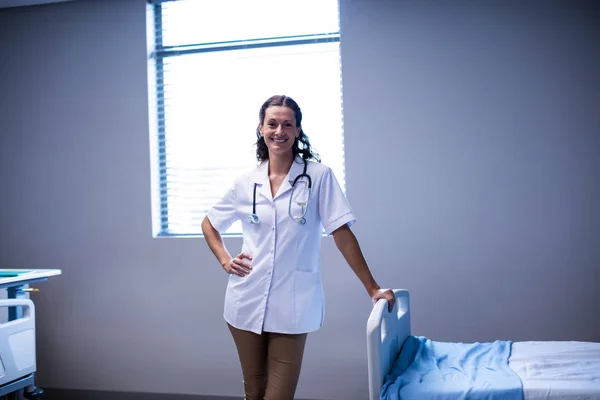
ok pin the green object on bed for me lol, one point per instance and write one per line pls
(12, 273)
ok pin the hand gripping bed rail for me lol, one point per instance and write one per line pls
(17, 342)
(386, 332)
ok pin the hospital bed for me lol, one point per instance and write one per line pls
(17, 333)
(404, 366)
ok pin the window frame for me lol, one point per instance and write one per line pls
(158, 52)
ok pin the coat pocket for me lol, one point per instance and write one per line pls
(308, 298)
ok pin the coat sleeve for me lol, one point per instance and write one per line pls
(223, 214)
(334, 208)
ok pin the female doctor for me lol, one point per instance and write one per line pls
(274, 296)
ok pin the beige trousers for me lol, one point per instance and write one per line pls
(270, 363)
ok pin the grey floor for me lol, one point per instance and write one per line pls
(70, 394)
(63, 394)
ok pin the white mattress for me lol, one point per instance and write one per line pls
(557, 370)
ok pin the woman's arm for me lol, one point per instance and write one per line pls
(214, 240)
(348, 245)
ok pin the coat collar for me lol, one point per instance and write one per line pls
(261, 177)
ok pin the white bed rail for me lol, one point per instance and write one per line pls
(17, 342)
(386, 332)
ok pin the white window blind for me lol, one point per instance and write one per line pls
(213, 64)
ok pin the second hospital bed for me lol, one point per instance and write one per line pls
(403, 366)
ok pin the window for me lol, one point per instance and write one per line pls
(212, 64)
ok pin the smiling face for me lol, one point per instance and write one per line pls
(279, 130)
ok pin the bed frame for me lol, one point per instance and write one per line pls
(17, 347)
(386, 332)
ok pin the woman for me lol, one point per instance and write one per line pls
(275, 295)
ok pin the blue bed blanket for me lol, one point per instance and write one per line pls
(431, 370)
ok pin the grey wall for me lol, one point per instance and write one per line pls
(473, 165)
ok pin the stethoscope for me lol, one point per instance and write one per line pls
(253, 218)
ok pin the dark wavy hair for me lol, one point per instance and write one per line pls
(301, 143)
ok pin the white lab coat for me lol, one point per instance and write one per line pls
(284, 292)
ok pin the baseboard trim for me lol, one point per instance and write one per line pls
(74, 394)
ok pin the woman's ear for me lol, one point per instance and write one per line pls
(259, 127)
(298, 131)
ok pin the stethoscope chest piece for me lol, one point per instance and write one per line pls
(253, 219)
